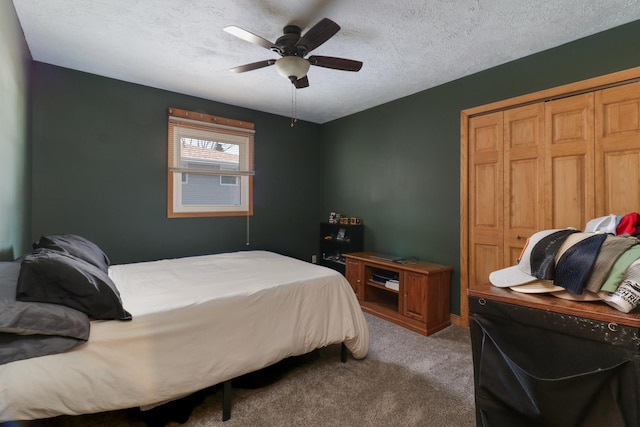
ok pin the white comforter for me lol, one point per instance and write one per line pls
(197, 321)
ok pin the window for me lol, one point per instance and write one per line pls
(210, 170)
(228, 179)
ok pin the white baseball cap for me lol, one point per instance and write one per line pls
(606, 224)
(522, 273)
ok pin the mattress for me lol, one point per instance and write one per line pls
(197, 321)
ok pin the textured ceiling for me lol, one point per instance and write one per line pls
(406, 45)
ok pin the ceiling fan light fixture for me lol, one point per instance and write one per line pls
(292, 66)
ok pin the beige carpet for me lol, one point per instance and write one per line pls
(406, 380)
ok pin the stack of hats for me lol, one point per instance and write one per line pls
(619, 225)
(600, 263)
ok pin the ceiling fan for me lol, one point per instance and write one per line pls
(293, 47)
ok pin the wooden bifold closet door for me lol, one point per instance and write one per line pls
(553, 163)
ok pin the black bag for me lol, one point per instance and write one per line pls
(531, 376)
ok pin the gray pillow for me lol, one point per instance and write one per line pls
(78, 246)
(30, 329)
(60, 278)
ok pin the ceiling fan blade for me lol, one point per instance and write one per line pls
(335, 63)
(318, 34)
(253, 66)
(251, 38)
(302, 82)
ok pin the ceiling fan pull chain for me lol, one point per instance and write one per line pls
(294, 119)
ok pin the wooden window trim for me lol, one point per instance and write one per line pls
(212, 123)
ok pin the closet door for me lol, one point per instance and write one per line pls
(569, 157)
(485, 197)
(523, 177)
(617, 151)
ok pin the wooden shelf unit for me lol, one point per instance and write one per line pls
(421, 303)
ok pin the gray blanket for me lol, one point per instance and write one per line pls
(31, 329)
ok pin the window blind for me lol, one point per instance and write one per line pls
(199, 126)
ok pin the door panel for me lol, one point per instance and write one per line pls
(617, 150)
(569, 204)
(353, 274)
(415, 295)
(485, 259)
(485, 196)
(569, 154)
(524, 181)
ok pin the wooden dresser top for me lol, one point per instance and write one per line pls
(596, 310)
(406, 264)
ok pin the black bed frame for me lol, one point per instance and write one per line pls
(227, 390)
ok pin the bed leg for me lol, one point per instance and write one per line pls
(344, 353)
(226, 400)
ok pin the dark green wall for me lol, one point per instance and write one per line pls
(99, 170)
(398, 165)
(14, 140)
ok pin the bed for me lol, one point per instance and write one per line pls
(194, 322)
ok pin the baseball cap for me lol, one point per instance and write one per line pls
(606, 224)
(537, 287)
(543, 254)
(612, 248)
(575, 260)
(535, 261)
(585, 296)
(619, 267)
(628, 223)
